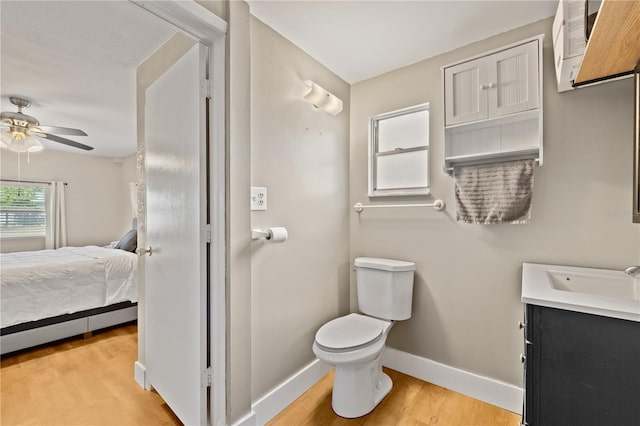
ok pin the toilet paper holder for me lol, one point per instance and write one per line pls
(256, 234)
(268, 234)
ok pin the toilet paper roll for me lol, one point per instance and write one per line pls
(277, 235)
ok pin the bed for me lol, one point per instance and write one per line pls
(48, 295)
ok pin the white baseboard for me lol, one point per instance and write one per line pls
(248, 420)
(485, 389)
(267, 407)
(140, 374)
(494, 392)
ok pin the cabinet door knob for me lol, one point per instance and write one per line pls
(521, 325)
(483, 87)
(492, 85)
(522, 358)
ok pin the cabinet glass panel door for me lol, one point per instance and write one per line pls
(513, 80)
(465, 95)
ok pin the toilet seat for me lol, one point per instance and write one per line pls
(350, 332)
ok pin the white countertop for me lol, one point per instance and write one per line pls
(539, 288)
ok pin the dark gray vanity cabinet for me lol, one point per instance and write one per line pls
(580, 369)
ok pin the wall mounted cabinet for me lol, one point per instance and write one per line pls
(493, 104)
(494, 85)
(613, 49)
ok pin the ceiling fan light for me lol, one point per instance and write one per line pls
(32, 145)
(22, 127)
(27, 144)
(5, 139)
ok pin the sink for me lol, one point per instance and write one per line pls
(597, 283)
(595, 291)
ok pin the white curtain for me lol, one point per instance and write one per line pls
(56, 216)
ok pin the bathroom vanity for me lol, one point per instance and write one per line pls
(582, 346)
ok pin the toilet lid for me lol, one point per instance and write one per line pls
(349, 331)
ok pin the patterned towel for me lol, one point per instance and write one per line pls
(494, 193)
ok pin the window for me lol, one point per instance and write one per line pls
(22, 210)
(399, 152)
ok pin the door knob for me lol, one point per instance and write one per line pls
(140, 251)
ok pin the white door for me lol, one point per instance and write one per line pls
(465, 92)
(175, 282)
(513, 80)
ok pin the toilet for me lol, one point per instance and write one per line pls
(354, 343)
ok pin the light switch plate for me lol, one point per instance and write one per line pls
(258, 198)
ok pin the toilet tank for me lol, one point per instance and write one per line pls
(384, 287)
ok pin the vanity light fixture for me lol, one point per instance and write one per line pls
(321, 98)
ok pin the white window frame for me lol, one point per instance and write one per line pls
(26, 234)
(373, 154)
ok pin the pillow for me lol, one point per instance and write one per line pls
(129, 242)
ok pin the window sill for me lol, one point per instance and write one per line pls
(22, 237)
(399, 193)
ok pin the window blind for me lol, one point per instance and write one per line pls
(22, 210)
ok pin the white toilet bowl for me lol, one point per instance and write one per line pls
(354, 345)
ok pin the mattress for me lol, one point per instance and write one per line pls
(46, 283)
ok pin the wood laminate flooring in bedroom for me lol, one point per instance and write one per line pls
(80, 382)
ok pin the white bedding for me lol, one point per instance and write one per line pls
(47, 283)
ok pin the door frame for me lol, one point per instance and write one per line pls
(197, 21)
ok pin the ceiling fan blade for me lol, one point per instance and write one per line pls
(60, 130)
(63, 141)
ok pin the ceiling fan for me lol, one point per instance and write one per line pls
(20, 131)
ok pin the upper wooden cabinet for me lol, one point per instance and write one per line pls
(465, 96)
(613, 48)
(493, 106)
(501, 83)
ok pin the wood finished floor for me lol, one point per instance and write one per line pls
(80, 382)
(90, 382)
(411, 402)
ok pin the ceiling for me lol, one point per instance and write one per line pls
(76, 61)
(358, 40)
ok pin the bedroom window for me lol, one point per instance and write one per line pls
(22, 210)
(399, 152)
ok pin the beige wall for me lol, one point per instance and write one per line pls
(467, 287)
(302, 156)
(97, 194)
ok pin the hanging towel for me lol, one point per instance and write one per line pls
(494, 193)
